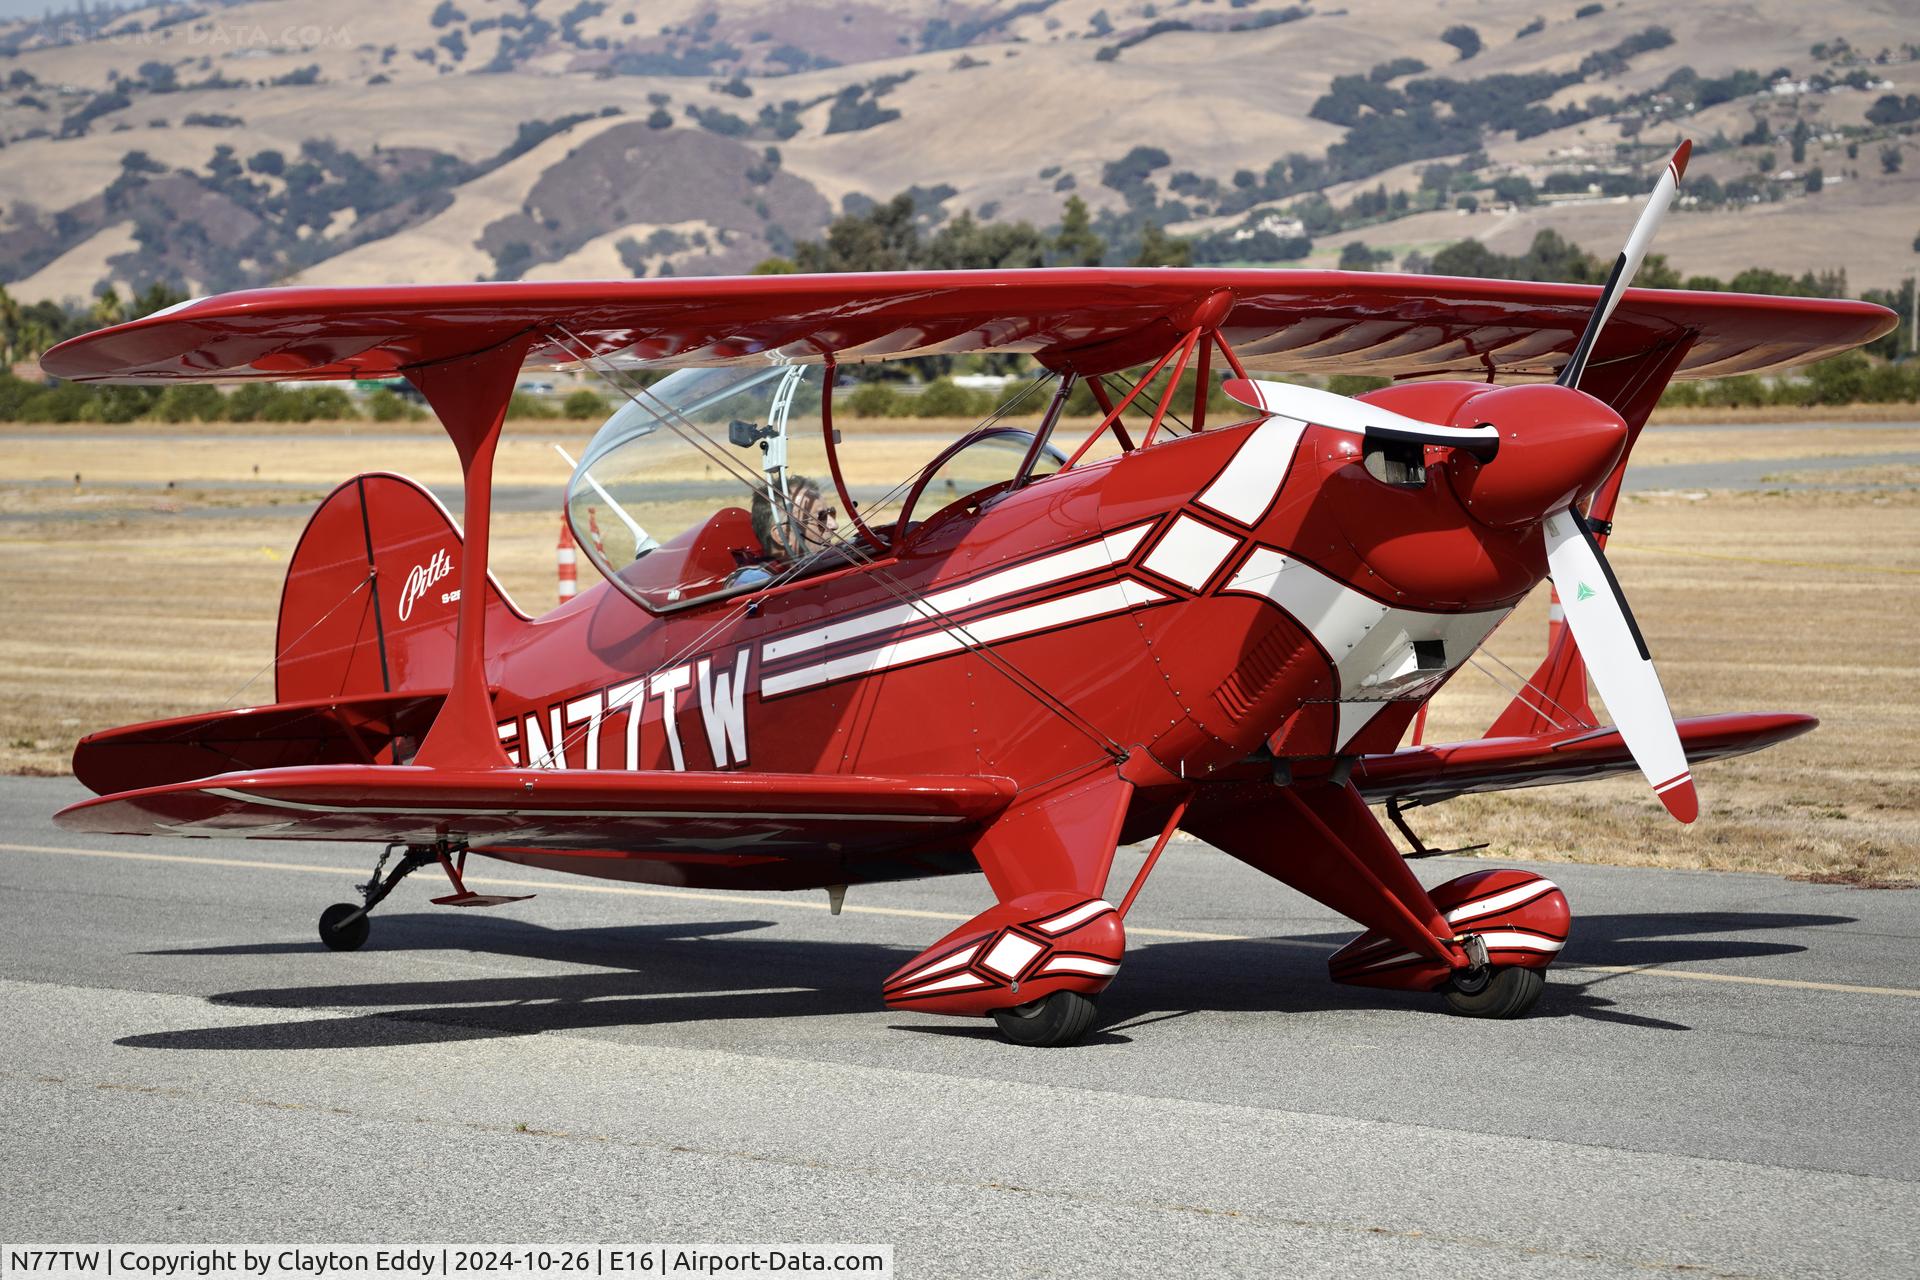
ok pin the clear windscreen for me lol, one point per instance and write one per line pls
(717, 481)
(708, 481)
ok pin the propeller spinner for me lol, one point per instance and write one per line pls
(1527, 474)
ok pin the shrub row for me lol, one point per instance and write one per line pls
(25, 401)
(1849, 378)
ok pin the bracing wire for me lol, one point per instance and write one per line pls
(290, 646)
(1526, 682)
(1519, 694)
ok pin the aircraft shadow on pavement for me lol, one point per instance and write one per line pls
(716, 971)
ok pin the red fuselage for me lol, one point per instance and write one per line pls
(1182, 604)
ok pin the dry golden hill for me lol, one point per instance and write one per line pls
(351, 141)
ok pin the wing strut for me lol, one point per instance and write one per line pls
(1113, 415)
(469, 395)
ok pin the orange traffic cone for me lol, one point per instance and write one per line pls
(593, 529)
(565, 558)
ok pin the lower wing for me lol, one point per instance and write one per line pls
(1430, 774)
(552, 809)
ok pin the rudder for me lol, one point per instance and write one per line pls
(372, 594)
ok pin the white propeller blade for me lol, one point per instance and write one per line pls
(1617, 658)
(1628, 263)
(1342, 413)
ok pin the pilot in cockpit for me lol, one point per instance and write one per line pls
(808, 527)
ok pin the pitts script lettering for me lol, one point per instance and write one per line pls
(420, 578)
(568, 735)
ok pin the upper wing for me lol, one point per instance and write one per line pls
(1089, 320)
(553, 809)
(1430, 774)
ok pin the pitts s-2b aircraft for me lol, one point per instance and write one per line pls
(1025, 654)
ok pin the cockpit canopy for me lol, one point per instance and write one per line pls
(717, 481)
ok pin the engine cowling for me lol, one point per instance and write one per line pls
(1556, 445)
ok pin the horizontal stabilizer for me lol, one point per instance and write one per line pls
(354, 729)
(552, 808)
(1430, 774)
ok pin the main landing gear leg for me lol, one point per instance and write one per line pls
(1482, 940)
(1035, 960)
(344, 926)
(1064, 1017)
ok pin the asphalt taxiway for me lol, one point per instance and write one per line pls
(1720, 1079)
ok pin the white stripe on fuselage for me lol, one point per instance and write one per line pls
(1082, 606)
(1189, 552)
(1246, 488)
(1058, 567)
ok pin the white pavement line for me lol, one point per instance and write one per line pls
(573, 886)
(1797, 983)
(794, 902)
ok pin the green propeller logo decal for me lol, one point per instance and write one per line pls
(1584, 592)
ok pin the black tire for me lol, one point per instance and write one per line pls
(344, 937)
(1507, 992)
(1059, 1019)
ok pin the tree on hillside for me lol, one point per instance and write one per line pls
(1464, 38)
(1356, 256)
(1468, 258)
(1076, 245)
(107, 308)
(1550, 257)
(966, 244)
(1657, 273)
(10, 325)
(1800, 135)
(884, 238)
(1158, 249)
(1515, 189)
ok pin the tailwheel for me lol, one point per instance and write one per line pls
(1495, 991)
(344, 927)
(1059, 1019)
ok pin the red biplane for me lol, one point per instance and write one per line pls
(1028, 652)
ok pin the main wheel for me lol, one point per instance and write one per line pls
(1502, 992)
(1061, 1018)
(338, 933)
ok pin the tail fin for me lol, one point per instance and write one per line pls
(372, 594)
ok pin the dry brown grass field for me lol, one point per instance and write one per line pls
(128, 600)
